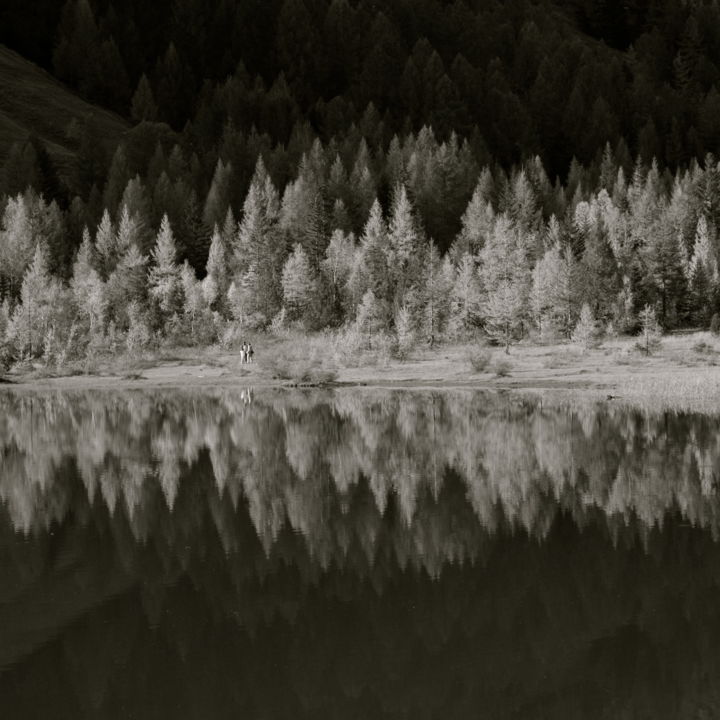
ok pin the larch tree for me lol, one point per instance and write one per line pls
(299, 285)
(371, 269)
(41, 303)
(371, 317)
(17, 246)
(477, 223)
(194, 303)
(703, 274)
(601, 276)
(127, 283)
(258, 254)
(336, 267)
(106, 245)
(666, 265)
(218, 197)
(405, 243)
(586, 331)
(505, 273)
(555, 291)
(466, 298)
(129, 230)
(164, 276)
(88, 288)
(216, 282)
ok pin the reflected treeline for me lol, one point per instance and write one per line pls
(355, 554)
(454, 466)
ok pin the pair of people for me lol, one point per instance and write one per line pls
(246, 353)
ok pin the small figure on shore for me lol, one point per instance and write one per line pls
(243, 353)
(249, 352)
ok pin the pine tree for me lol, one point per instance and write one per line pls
(118, 178)
(164, 277)
(218, 197)
(666, 266)
(143, 103)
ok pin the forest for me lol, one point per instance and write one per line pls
(404, 174)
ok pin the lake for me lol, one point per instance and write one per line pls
(356, 554)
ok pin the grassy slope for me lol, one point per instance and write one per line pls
(32, 101)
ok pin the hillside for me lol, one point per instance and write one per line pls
(32, 102)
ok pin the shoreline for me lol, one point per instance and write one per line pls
(685, 371)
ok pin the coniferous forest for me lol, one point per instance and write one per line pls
(414, 170)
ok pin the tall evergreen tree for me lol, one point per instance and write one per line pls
(164, 277)
(505, 273)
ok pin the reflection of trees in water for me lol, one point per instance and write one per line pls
(222, 559)
(296, 458)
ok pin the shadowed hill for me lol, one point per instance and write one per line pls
(32, 102)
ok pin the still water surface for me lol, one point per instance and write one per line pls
(359, 554)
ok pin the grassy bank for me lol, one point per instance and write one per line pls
(684, 366)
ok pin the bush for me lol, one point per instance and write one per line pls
(715, 324)
(501, 368)
(8, 356)
(702, 348)
(479, 359)
(302, 371)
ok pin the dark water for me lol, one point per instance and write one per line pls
(356, 555)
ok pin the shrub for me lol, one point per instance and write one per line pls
(302, 371)
(715, 324)
(702, 348)
(479, 359)
(501, 368)
(8, 356)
